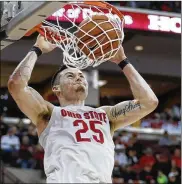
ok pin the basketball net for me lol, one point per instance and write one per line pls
(67, 40)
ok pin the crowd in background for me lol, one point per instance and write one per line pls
(20, 147)
(149, 162)
(169, 120)
(167, 6)
(135, 159)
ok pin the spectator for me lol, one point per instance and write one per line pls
(137, 145)
(172, 177)
(175, 109)
(15, 131)
(9, 143)
(132, 156)
(157, 121)
(121, 158)
(162, 178)
(143, 4)
(4, 127)
(146, 174)
(162, 163)
(25, 154)
(134, 144)
(122, 3)
(147, 158)
(132, 4)
(127, 174)
(153, 5)
(116, 170)
(118, 180)
(168, 113)
(130, 142)
(39, 156)
(146, 122)
(124, 137)
(174, 140)
(118, 144)
(166, 6)
(165, 140)
(176, 170)
(177, 8)
(32, 135)
(176, 157)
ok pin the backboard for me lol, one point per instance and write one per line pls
(18, 17)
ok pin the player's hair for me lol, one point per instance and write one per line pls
(55, 78)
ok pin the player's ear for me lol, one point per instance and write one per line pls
(56, 88)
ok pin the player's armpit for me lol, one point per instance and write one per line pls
(30, 102)
(126, 113)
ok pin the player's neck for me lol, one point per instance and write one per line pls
(64, 103)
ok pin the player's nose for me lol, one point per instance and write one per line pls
(78, 78)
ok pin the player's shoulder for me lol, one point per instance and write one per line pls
(94, 108)
(50, 106)
(90, 108)
(106, 109)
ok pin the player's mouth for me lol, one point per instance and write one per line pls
(80, 83)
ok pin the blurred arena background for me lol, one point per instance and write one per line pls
(146, 152)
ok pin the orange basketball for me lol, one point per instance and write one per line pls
(100, 36)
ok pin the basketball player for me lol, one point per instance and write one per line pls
(77, 139)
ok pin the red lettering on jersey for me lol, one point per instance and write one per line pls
(100, 117)
(78, 116)
(97, 135)
(80, 131)
(63, 112)
(73, 115)
(70, 114)
(86, 115)
(104, 115)
(91, 113)
(100, 136)
(96, 115)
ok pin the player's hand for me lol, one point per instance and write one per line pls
(120, 56)
(44, 45)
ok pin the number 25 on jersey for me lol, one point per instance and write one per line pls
(98, 138)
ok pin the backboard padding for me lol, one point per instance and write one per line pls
(28, 18)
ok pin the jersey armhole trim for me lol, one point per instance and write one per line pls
(49, 124)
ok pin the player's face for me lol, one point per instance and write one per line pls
(73, 84)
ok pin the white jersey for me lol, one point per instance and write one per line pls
(78, 146)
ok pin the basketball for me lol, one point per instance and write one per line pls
(99, 35)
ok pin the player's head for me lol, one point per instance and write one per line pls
(70, 84)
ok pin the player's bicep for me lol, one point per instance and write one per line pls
(30, 102)
(126, 113)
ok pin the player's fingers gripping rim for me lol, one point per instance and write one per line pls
(51, 34)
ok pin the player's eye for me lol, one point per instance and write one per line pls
(70, 76)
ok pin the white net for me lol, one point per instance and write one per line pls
(77, 51)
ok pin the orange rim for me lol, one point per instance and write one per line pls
(100, 4)
(106, 5)
(49, 35)
(30, 32)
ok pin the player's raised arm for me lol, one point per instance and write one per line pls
(145, 101)
(29, 100)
